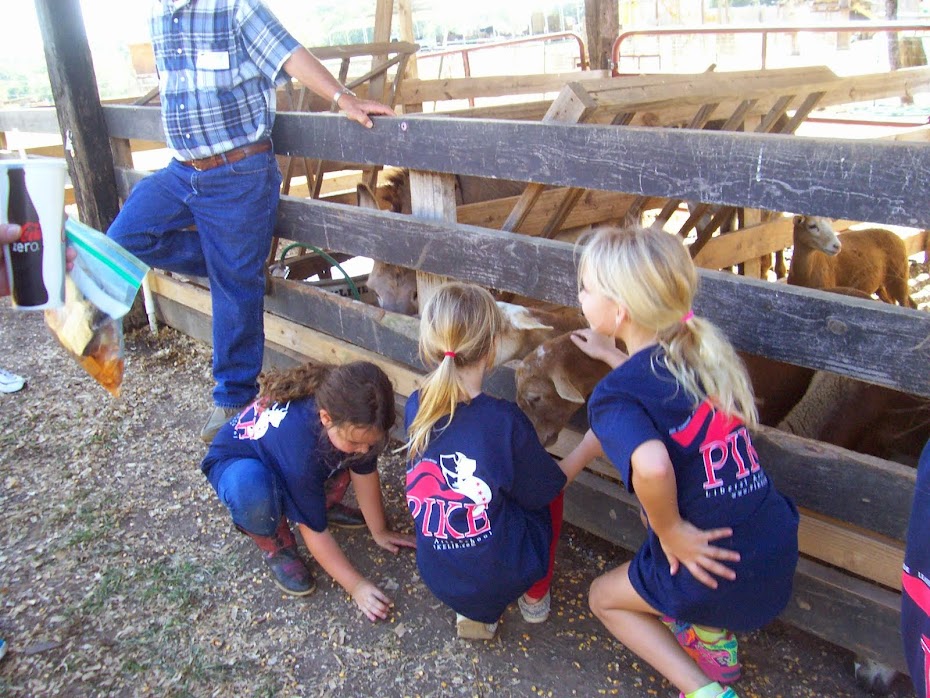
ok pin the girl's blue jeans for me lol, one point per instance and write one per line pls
(251, 492)
(217, 223)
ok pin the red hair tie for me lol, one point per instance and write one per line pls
(450, 353)
(687, 316)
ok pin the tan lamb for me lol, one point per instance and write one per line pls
(872, 260)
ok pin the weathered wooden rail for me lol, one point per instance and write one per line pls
(856, 507)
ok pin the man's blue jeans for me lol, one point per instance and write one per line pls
(233, 208)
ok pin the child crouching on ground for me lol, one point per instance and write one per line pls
(269, 465)
(672, 416)
(484, 494)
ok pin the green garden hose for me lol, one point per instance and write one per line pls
(313, 248)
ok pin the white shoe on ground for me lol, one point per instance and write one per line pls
(10, 382)
(535, 611)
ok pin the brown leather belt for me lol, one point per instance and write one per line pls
(229, 157)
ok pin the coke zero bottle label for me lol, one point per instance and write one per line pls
(26, 253)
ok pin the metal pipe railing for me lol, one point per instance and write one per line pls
(876, 26)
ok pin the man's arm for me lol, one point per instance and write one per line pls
(307, 69)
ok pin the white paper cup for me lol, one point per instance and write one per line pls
(32, 195)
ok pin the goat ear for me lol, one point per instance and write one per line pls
(366, 197)
(797, 219)
(566, 389)
(521, 318)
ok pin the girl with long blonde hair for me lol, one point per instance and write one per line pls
(673, 416)
(484, 494)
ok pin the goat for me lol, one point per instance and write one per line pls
(553, 381)
(872, 260)
(556, 379)
(526, 328)
(861, 417)
(396, 286)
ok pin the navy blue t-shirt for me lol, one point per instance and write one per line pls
(720, 483)
(915, 583)
(479, 497)
(288, 438)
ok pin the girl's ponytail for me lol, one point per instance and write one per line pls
(458, 328)
(705, 363)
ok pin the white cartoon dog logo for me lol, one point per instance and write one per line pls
(461, 478)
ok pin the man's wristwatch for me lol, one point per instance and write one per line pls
(342, 91)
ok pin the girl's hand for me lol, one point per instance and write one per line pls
(598, 346)
(371, 600)
(393, 541)
(686, 544)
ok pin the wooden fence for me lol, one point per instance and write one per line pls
(855, 507)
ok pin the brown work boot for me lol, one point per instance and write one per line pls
(218, 417)
(343, 516)
(288, 570)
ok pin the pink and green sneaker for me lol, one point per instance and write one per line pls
(727, 693)
(718, 660)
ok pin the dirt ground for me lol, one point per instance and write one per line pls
(120, 574)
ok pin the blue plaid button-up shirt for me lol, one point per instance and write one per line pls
(219, 62)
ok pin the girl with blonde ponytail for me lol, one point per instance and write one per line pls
(673, 417)
(484, 494)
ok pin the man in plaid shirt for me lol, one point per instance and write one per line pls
(211, 212)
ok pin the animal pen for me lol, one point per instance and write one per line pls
(598, 152)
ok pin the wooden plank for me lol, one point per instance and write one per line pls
(659, 92)
(847, 612)
(815, 327)
(407, 34)
(493, 85)
(389, 334)
(665, 104)
(325, 53)
(80, 116)
(856, 550)
(314, 345)
(602, 24)
(746, 243)
(596, 207)
(573, 105)
(828, 177)
(30, 120)
(736, 247)
(432, 197)
(881, 520)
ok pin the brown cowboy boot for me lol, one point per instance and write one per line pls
(288, 570)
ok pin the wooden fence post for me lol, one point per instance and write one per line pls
(80, 115)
